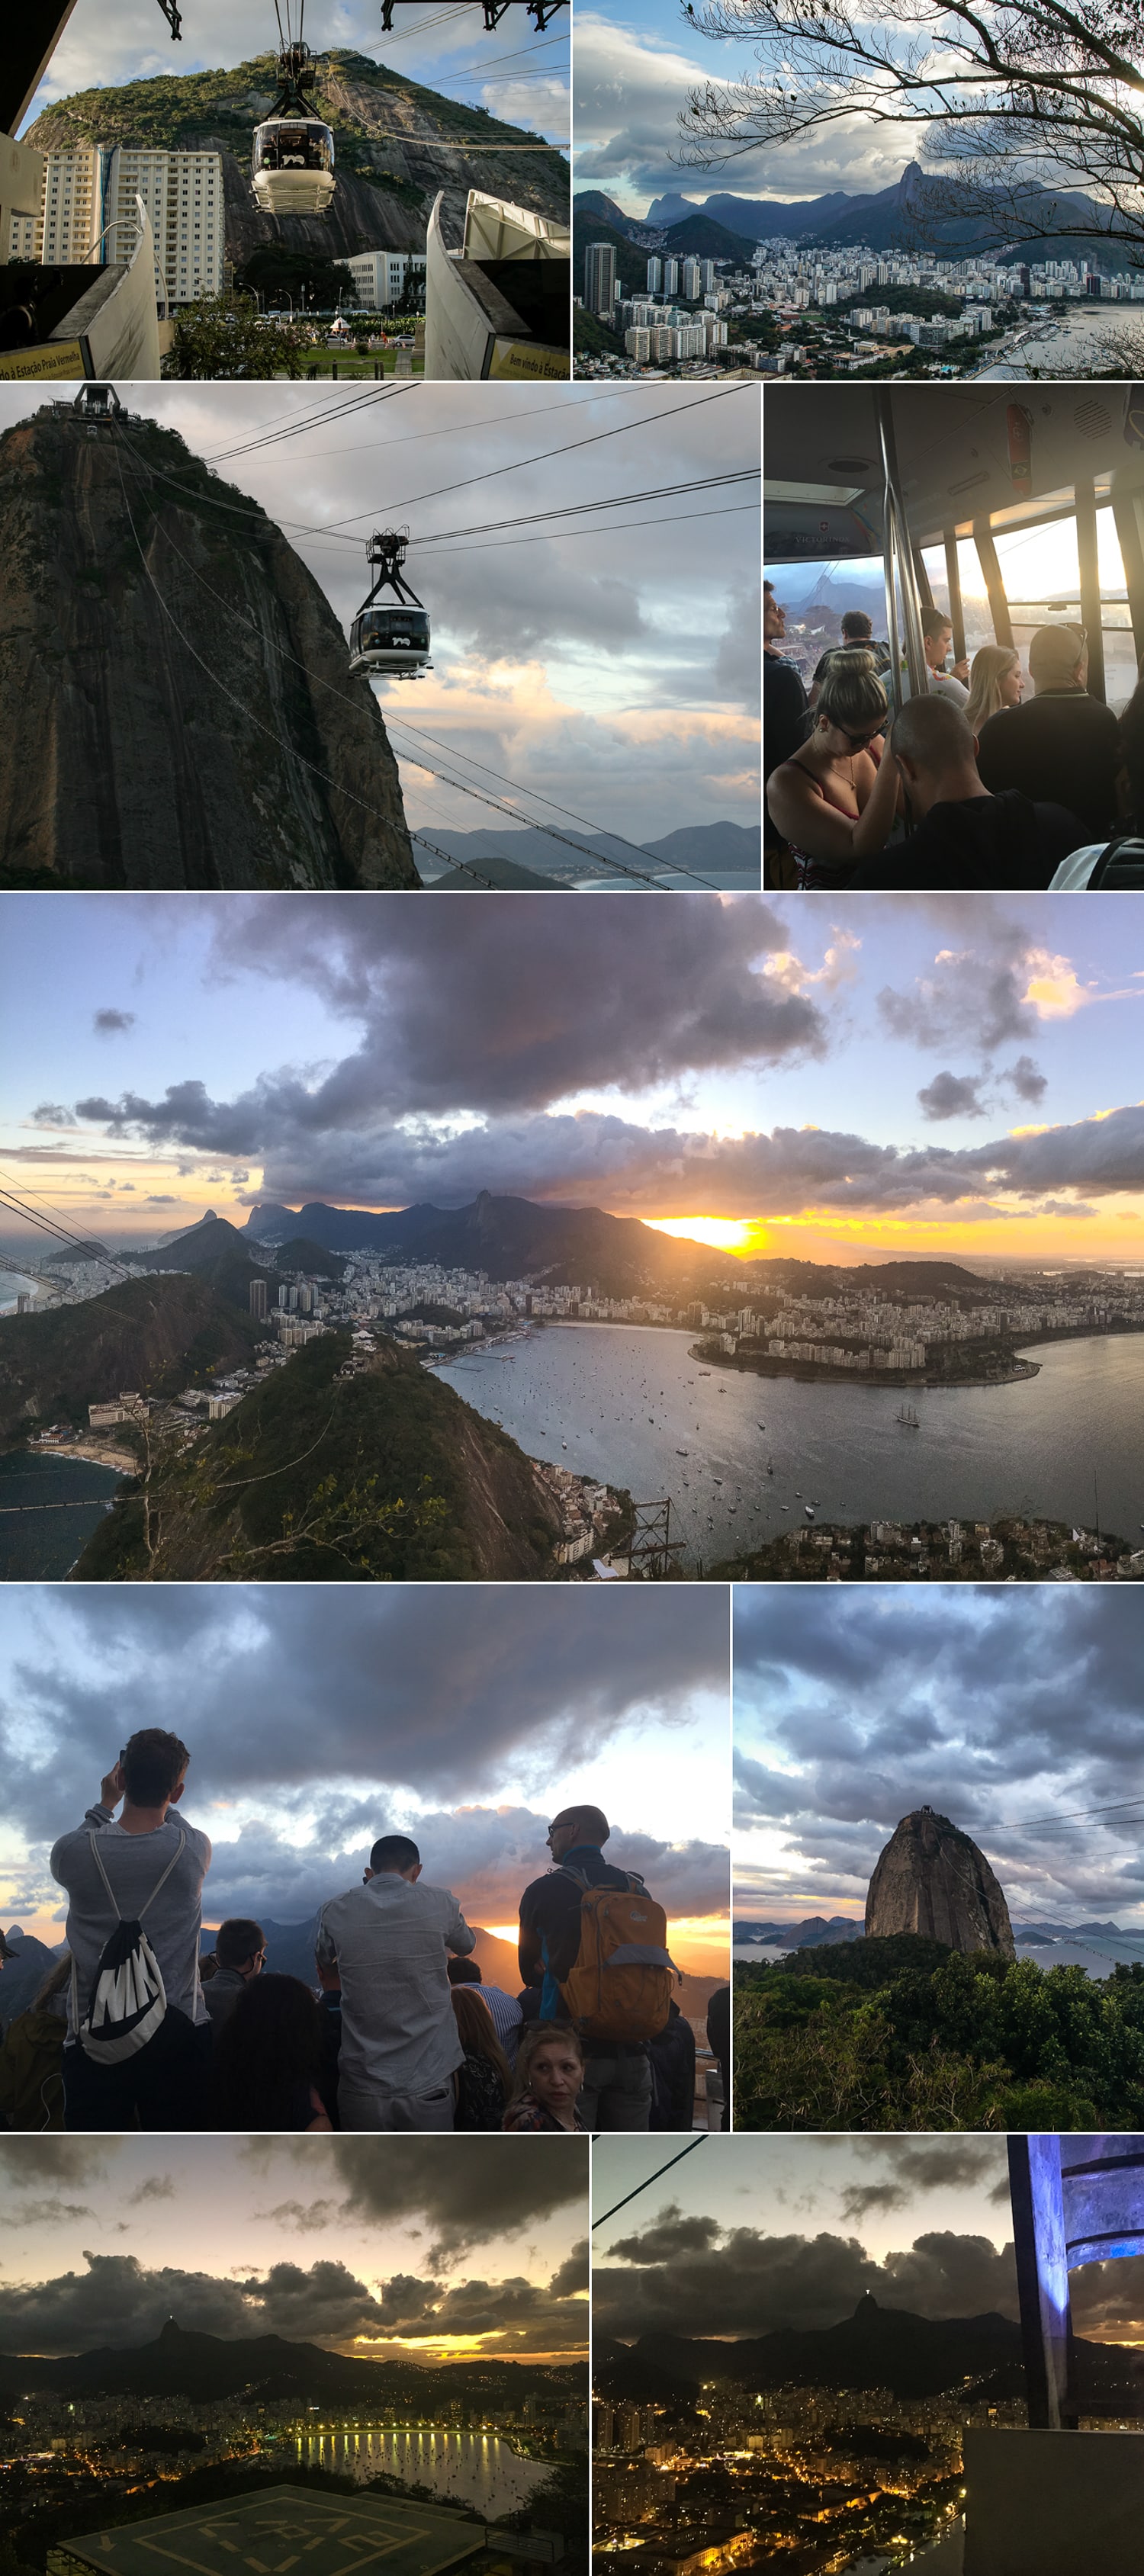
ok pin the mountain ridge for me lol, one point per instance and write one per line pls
(909, 214)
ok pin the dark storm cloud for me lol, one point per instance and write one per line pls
(109, 1024)
(28, 2163)
(982, 1705)
(797, 1168)
(913, 2165)
(464, 2200)
(752, 2284)
(121, 2302)
(1026, 1079)
(270, 1695)
(458, 1013)
(672, 2234)
(952, 1095)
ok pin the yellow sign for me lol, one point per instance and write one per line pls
(53, 358)
(529, 359)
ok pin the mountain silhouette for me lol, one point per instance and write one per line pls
(913, 213)
(182, 2362)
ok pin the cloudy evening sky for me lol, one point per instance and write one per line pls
(636, 61)
(1011, 1710)
(768, 2232)
(309, 1739)
(612, 669)
(420, 2255)
(170, 1053)
(879, 1074)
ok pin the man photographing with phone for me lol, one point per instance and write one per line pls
(138, 2036)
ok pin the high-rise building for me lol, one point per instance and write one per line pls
(707, 275)
(691, 275)
(258, 1299)
(600, 279)
(88, 214)
(654, 276)
(671, 277)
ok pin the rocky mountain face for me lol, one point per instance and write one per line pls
(149, 1334)
(920, 210)
(178, 704)
(932, 1879)
(397, 144)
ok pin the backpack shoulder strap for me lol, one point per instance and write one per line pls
(97, 1857)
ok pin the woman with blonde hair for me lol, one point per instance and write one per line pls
(996, 680)
(818, 797)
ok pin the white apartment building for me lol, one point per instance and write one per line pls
(380, 275)
(88, 214)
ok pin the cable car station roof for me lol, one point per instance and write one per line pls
(822, 493)
(278, 2531)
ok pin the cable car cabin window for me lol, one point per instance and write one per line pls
(974, 603)
(294, 145)
(387, 629)
(1040, 568)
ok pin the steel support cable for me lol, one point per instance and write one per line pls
(420, 437)
(517, 465)
(700, 2141)
(584, 536)
(735, 477)
(595, 858)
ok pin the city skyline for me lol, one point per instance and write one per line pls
(227, 1049)
(469, 1732)
(426, 2255)
(514, 73)
(962, 1699)
(581, 665)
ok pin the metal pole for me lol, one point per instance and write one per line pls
(1126, 512)
(1042, 2275)
(953, 585)
(911, 613)
(1090, 614)
(995, 587)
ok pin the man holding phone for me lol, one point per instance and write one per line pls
(146, 1855)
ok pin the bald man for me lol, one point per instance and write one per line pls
(962, 835)
(617, 2087)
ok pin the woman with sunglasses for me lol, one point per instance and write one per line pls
(819, 797)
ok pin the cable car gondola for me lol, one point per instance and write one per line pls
(393, 640)
(292, 163)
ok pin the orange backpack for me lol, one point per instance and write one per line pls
(619, 1985)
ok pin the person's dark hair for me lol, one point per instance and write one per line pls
(392, 1854)
(536, 2034)
(476, 2033)
(933, 733)
(1132, 745)
(267, 2049)
(153, 1764)
(769, 585)
(463, 1972)
(237, 1941)
(855, 623)
(934, 618)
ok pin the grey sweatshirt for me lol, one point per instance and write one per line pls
(134, 1864)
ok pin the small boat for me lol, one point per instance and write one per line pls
(909, 1418)
(770, 1466)
(683, 1453)
(809, 1510)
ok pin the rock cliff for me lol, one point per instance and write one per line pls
(178, 704)
(932, 1879)
(396, 142)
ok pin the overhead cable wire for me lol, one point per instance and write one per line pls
(700, 2141)
(498, 805)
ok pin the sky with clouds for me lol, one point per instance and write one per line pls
(1013, 1711)
(170, 1053)
(612, 669)
(310, 1738)
(420, 2254)
(767, 2232)
(635, 63)
(514, 73)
